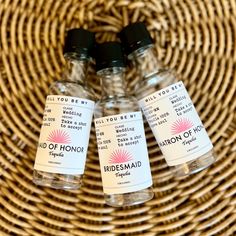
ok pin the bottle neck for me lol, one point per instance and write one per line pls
(146, 61)
(76, 69)
(112, 82)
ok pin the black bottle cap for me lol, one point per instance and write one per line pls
(135, 36)
(109, 55)
(79, 41)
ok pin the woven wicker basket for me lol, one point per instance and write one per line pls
(196, 38)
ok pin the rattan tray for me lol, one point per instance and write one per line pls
(197, 38)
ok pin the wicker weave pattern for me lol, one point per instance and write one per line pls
(196, 38)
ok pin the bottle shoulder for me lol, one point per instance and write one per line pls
(154, 82)
(117, 100)
(115, 105)
(73, 89)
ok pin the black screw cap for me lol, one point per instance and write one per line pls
(135, 36)
(109, 54)
(80, 41)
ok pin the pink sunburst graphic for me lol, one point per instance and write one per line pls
(59, 136)
(120, 156)
(181, 125)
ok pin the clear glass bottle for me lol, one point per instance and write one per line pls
(167, 106)
(64, 136)
(122, 147)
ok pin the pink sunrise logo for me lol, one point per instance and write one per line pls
(120, 156)
(59, 136)
(181, 125)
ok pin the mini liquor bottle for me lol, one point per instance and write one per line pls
(167, 106)
(122, 148)
(64, 136)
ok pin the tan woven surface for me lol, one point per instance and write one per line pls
(197, 38)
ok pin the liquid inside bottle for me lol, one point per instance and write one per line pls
(63, 142)
(167, 107)
(120, 135)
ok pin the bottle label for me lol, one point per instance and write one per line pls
(176, 124)
(64, 136)
(123, 153)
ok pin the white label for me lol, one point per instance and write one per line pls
(176, 124)
(123, 153)
(64, 136)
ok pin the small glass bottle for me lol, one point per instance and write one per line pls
(64, 136)
(167, 106)
(122, 147)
